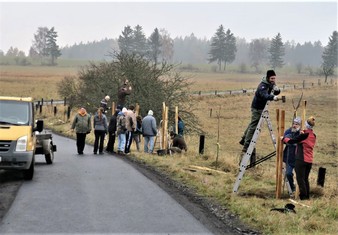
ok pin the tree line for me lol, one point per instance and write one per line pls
(223, 48)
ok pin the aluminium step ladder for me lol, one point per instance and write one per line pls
(247, 155)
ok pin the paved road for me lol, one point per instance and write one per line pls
(94, 194)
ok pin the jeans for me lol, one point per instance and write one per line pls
(121, 142)
(289, 176)
(149, 141)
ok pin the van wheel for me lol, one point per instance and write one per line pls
(28, 174)
(50, 156)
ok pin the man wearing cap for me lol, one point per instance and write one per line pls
(149, 129)
(263, 94)
(289, 155)
(305, 141)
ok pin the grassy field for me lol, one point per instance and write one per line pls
(230, 116)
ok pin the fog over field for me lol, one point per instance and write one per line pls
(86, 21)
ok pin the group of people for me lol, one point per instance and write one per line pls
(124, 126)
(298, 153)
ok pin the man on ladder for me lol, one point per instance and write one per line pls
(266, 91)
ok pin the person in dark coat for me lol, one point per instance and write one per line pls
(112, 132)
(178, 143)
(305, 141)
(262, 96)
(289, 154)
(122, 92)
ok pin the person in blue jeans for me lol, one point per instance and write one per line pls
(149, 131)
(121, 131)
(289, 154)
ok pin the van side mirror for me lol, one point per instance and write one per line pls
(39, 126)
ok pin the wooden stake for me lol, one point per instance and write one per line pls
(176, 119)
(280, 155)
(304, 115)
(277, 151)
(113, 108)
(137, 109)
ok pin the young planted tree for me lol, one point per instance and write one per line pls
(230, 48)
(277, 52)
(330, 56)
(217, 47)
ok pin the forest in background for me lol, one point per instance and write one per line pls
(193, 50)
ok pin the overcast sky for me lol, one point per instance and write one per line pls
(88, 21)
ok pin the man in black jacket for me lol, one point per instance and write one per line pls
(262, 96)
(112, 133)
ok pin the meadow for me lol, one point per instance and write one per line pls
(228, 115)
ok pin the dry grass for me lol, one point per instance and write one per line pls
(256, 195)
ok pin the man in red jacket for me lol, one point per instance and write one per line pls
(304, 157)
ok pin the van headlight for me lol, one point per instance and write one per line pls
(21, 144)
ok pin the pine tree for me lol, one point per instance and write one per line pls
(139, 41)
(230, 48)
(257, 52)
(52, 48)
(125, 40)
(330, 56)
(217, 50)
(277, 52)
(154, 43)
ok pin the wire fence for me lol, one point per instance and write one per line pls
(57, 107)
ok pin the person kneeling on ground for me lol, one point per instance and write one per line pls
(178, 143)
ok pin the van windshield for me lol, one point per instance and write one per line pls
(14, 112)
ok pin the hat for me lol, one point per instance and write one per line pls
(120, 107)
(297, 120)
(107, 97)
(150, 112)
(270, 73)
(311, 121)
(124, 110)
